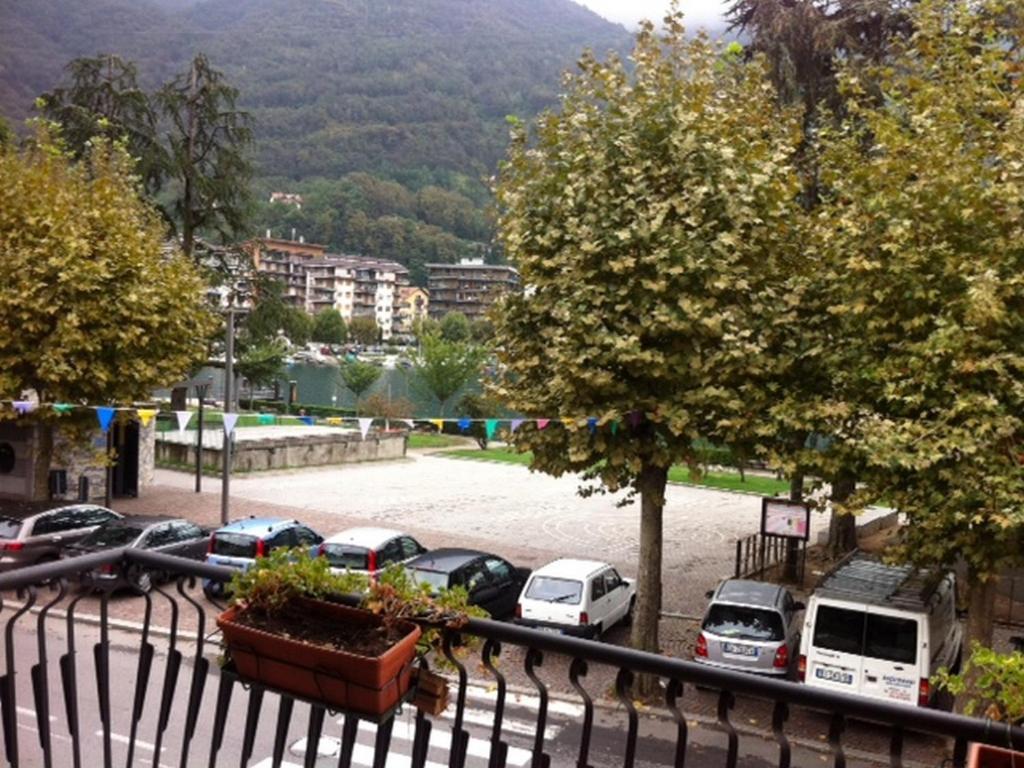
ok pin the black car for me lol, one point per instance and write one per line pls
(166, 535)
(492, 582)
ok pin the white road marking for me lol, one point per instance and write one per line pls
(555, 706)
(32, 713)
(125, 740)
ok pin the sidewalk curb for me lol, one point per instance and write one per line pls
(600, 701)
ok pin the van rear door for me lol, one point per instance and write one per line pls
(892, 648)
(834, 643)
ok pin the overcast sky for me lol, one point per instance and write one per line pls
(629, 12)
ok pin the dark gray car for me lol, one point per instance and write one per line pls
(750, 626)
(28, 536)
(166, 535)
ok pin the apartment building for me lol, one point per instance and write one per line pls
(469, 287)
(413, 305)
(286, 261)
(356, 287)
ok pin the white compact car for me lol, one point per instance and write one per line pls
(576, 597)
(369, 550)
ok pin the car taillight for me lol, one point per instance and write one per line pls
(924, 692)
(108, 568)
(519, 610)
(13, 546)
(371, 561)
(261, 548)
(801, 668)
(584, 619)
(701, 650)
(212, 546)
(321, 550)
(781, 660)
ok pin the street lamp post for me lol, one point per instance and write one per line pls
(229, 372)
(201, 391)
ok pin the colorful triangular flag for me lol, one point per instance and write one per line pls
(541, 423)
(515, 424)
(105, 415)
(310, 421)
(23, 406)
(592, 424)
(335, 421)
(439, 423)
(230, 419)
(615, 427)
(266, 419)
(364, 427)
(490, 427)
(183, 419)
(635, 418)
(63, 408)
(145, 415)
(465, 423)
(410, 422)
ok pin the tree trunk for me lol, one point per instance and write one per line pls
(842, 529)
(981, 601)
(647, 612)
(43, 456)
(796, 493)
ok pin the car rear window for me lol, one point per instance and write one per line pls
(112, 536)
(744, 622)
(9, 528)
(347, 556)
(433, 579)
(555, 590)
(889, 638)
(234, 545)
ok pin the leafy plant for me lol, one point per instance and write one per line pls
(993, 683)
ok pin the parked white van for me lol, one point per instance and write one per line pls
(880, 631)
(577, 597)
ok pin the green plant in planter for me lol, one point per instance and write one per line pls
(993, 684)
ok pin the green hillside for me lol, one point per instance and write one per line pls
(387, 115)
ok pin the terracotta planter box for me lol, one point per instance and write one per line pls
(339, 679)
(984, 756)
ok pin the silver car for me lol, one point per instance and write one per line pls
(750, 626)
(29, 538)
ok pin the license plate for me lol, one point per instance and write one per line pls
(834, 675)
(740, 650)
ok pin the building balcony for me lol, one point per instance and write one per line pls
(128, 679)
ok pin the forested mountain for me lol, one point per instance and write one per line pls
(387, 115)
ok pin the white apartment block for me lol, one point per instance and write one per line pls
(356, 287)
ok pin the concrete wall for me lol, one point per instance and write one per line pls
(291, 452)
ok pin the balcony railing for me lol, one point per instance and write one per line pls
(124, 688)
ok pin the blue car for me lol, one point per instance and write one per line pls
(238, 544)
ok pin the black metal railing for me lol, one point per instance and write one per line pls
(118, 685)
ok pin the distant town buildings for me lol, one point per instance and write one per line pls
(469, 287)
(286, 198)
(413, 306)
(315, 280)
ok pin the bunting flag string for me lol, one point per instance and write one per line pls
(105, 415)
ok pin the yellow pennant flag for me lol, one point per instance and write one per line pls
(146, 415)
(439, 423)
(334, 420)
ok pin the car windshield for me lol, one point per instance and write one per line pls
(111, 536)
(744, 622)
(9, 528)
(555, 590)
(347, 556)
(433, 579)
(234, 545)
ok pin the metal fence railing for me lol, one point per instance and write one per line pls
(113, 687)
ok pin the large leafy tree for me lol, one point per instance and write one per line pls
(802, 42)
(358, 376)
(927, 259)
(364, 330)
(442, 368)
(208, 142)
(103, 99)
(329, 327)
(94, 310)
(648, 217)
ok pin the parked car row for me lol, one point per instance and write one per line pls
(869, 629)
(575, 596)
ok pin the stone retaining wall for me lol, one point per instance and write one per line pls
(290, 452)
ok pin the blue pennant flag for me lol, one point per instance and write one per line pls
(465, 423)
(307, 420)
(105, 414)
(592, 424)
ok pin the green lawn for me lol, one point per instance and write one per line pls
(421, 440)
(727, 481)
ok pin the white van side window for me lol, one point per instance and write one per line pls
(839, 629)
(891, 638)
